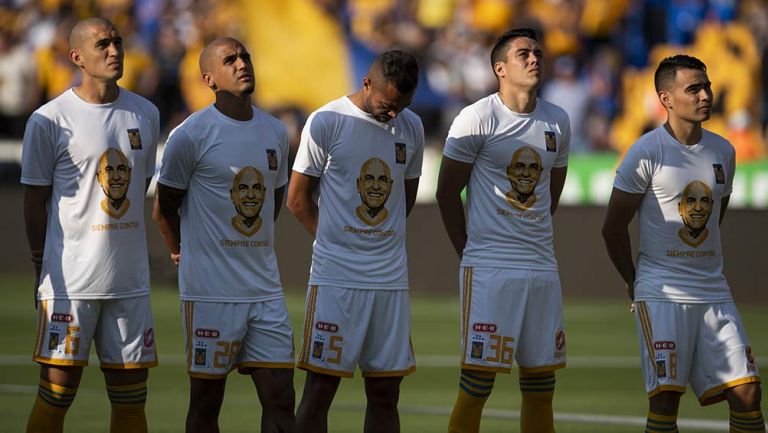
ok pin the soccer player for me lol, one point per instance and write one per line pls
(510, 150)
(85, 225)
(363, 154)
(674, 177)
(220, 190)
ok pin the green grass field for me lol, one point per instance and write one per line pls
(600, 391)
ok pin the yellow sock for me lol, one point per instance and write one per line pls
(538, 390)
(661, 423)
(128, 408)
(747, 422)
(474, 389)
(50, 407)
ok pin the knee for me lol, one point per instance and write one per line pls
(279, 395)
(744, 398)
(665, 403)
(383, 391)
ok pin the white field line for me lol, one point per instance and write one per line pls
(422, 361)
(581, 418)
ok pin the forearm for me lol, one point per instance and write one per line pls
(169, 224)
(454, 220)
(619, 247)
(308, 215)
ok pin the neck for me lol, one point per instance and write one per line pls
(519, 101)
(357, 99)
(234, 106)
(687, 133)
(97, 91)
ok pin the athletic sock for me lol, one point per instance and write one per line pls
(128, 408)
(747, 422)
(661, 423)
(50, 407)
(474, 389)
(538, 390)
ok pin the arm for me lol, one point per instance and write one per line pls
(300, 202)
(453, 177)
(146, 185)
(556, 183)
(36, 222)
(279, 193)
(621, 209)
(723, 207)
(166, 213)
(411, 188)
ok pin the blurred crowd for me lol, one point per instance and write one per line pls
(599, 56)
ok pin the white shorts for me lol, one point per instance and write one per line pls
(508, 315)
(121, 328)
(348, 327)
(222, 336)
(703, 344)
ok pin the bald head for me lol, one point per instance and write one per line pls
(84, 28)
(208, 56)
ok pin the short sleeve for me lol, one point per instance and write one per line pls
(635, 171)
(179, 160)
(313, 147)
(465, 137)
(282, 171)
(151, 160)
(565, 143)
(413, 170)
(731, 171)
(38, 152)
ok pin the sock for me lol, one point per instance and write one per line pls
(747, 422)
(474, 389)
(50, 407)
(661, 423)
(538, 390)
(128, 408)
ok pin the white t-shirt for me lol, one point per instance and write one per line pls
(97, 157)
(509, 224)
(680, 259)
(230, 170)
(362, 165)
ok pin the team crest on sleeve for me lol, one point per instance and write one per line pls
(400, 153)
(719, 173)
(134, 137)
(551, 141)
(272, 159)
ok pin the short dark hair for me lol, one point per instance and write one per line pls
(499, 51)
(664, 77)
(400, 68)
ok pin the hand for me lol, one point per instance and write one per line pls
(631, 293)
(175, 258)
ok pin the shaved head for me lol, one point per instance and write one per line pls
(208, 54)
(82, 29)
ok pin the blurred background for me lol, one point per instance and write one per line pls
(599, 61)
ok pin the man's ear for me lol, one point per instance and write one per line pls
(499, 69)
(209, 81)
(74, 57)
(665, 99)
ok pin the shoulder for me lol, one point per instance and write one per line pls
(411, 118)
(709, 138)
(271, 121)
(553, 111)
(139, 102)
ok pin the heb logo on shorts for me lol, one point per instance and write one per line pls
(327, 327)
(484, 327)
(207, 333)
(664, 345)
(61, 317)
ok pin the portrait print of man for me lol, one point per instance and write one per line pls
(247, 195)
(374, 186)
(695, 208)
(523, 173)
(114, 176)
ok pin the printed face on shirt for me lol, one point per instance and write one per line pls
(114, 173)
(374, 183)
(248, 192)
(696, 205)
(525, 170)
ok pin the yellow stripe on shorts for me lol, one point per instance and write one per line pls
(645, 324)
(467, 303)
(308, 320)
(188, 314)
(42, 323)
